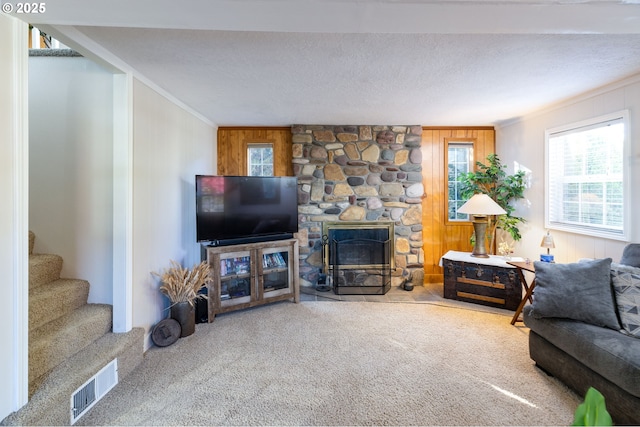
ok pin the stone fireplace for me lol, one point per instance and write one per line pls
(359, 175)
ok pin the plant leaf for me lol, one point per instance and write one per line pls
(593, 411)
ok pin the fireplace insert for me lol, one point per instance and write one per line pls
(358, 257)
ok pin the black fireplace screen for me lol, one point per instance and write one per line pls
(359, 265)
(359, 253)
(359, 247)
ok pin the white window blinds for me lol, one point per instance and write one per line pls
(586, 177)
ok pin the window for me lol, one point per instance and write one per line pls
(260, 159)
(585, 187)
(459, 161)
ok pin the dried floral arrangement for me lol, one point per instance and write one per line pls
(181, 284)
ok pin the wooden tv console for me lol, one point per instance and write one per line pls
(252, 274)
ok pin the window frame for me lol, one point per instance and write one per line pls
(582, 229)
(251, 145)
(472, 166)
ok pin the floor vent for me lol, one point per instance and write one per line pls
(93, 390)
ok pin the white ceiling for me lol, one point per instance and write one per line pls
(281, 62)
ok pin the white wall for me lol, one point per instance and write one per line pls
(523, 142)
(13, 212)
(71, 167)
(170, 146)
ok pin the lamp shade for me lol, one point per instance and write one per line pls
(547, 241)
(481, 204)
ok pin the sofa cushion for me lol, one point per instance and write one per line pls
(579, 291)
(613, 355)
(626, 285)
(631, 255)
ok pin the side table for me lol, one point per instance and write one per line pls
(528, 287)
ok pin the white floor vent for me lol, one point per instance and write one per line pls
(93, 390)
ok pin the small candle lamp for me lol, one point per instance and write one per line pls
(547, 242)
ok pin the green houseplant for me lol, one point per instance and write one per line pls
(492, 180)
(182, 286)
(593, 411)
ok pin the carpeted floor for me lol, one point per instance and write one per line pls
(342, 363)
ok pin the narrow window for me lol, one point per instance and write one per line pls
(260, 159)
(586, 189)
(459, 161)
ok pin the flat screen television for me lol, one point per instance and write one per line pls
(243, 209)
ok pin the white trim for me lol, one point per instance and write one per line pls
(20, 98)
(626, 180)
(122, 287)
(251, 145)
(35, 38)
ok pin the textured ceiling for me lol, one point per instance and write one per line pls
(411, 62)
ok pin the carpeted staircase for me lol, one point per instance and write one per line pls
(69, 342)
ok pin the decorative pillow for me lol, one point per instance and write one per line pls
(631, 255)
(579, 291)
(626, 285)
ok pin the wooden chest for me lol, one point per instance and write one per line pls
(492, 285)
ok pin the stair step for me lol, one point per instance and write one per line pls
(50, 404)
(44, 268)
(52, 343)
(69, 342)
(56, 299)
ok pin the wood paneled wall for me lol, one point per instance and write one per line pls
(440, 235)
(233, 142)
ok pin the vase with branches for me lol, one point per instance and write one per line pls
(491, 179)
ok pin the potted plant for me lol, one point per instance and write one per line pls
(182, 286)
(491, 179)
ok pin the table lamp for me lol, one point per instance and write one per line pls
(480, 206)
(547, 242)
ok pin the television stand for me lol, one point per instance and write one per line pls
(252, 274)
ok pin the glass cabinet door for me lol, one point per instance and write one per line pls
(275, 273)
(235, 277)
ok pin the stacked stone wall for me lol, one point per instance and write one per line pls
(359, 173)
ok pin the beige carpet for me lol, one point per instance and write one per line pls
(342, 363)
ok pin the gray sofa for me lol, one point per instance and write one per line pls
(585, 330)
